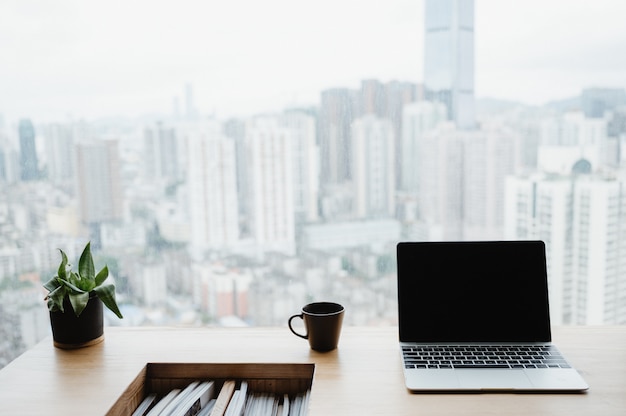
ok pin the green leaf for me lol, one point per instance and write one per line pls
(106, 293)
(55, 299)
(74, 288)
(52, 284)
(74, 279)
(78, 285)
(86, 269)
(102, 275)
(83, 284)
(62, 273)
(79, 302)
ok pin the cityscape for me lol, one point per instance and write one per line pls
(240, 221)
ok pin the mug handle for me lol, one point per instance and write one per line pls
(301, 316)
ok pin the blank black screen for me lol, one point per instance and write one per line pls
(473, 291)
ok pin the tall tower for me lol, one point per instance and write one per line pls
(418, 118)
(190, 108)
(575, 214)
(60, 152)
(211, 178)
(99, 184)
(161, 152)
(373, 98)
(336, 114)
(28, 154)
(440, 182)
(269, 155)
(449, 58)
(373, 167)
(305, 165)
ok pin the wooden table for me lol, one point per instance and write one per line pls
(362, 377)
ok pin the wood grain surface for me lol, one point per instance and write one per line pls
(362, 377)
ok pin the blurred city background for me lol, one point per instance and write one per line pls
(211, 216)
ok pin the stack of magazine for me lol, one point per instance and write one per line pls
(206, 398)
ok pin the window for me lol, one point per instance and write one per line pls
(232, 162)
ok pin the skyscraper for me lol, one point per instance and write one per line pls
(373, 167)
(488, 158)
(418, 118)
(99, 181)
(305, 165)
(572, 137)
(60, 152)
(440, 173)
(449, 58)
(575, 215)
(190, 108)
(269, 156)
(596, 102)
(161, 153)
(336, 114)
(9, 161)
(373, 98)
(28, 154)
(211, 179)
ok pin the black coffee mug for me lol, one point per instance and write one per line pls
(322, 321)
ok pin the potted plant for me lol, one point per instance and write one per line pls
(75, 302)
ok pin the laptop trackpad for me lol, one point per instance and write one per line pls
(493, 379)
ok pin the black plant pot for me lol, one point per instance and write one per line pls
(70, 331)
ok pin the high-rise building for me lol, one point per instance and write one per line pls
(161, 153)
(99, 182)
(9, 161)
(305, 164)
(417, 119)
(397, 96)
(337, 110)
(462, 181)
(599, 205)
(572, 137)
(489, 156)
(191, 113)
(449, 58)
(212, 189)
(269, 156)
(386, 100)
(98, 185)
(60, 153)
(617, 123)
(373, 167)
(236, 130)
(440, 175)
(341, 106)
(597, 101)
(373, 98)
(29, 169)
(581, 219)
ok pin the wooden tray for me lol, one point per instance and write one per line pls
(161, 378)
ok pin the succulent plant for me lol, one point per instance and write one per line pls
(80, 285)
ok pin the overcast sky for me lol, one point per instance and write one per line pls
(84, 58)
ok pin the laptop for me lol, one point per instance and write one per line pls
(474, 316)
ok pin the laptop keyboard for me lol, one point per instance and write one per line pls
(483, 356)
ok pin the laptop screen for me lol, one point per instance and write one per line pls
(493, 291)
